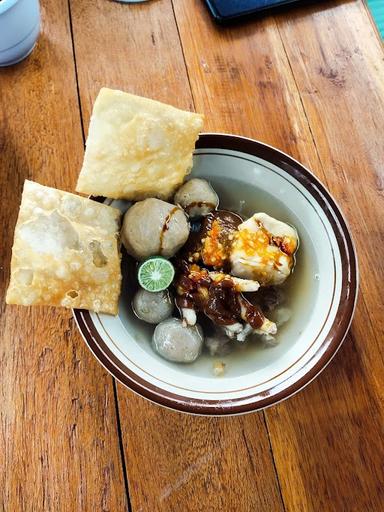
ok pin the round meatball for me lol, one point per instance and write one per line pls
(152, 307)
(154, 227)
(197, 197)
(177, 343)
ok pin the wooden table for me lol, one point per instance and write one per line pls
(310, 82)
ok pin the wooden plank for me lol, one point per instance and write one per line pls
(174, 462)
(59, 445)
(183, 463)
(327, 440)
(340, 75)
(241, 80)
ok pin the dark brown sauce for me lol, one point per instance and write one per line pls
(253, 314)
(282, 243)
(200, 204)
(222, 306)
(219, 301)
(228, 222)
(165, 227)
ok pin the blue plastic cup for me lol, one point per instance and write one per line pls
(19, 29)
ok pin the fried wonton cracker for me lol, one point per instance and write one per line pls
(137, 147)
(66, 252)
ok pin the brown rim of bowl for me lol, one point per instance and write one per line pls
(331, 343)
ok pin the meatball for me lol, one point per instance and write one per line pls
(197, 197)
(152, 307)
(154, 227)
(177, 343)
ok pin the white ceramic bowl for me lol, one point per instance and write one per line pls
(248, 176)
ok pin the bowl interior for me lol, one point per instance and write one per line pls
(246, 185)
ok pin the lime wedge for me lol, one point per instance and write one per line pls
(155, 274)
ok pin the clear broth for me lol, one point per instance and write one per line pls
(254, 354)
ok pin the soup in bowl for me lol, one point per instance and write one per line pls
(312, 315)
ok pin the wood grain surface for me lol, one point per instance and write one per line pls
(340, 77)
(309, 81)
(59, 447)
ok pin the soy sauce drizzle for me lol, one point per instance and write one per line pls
(200, 204)
(165, 227)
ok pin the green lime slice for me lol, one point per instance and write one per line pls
(155, 274)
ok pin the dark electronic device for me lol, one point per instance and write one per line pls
(232, 10)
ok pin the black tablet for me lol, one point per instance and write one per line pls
(228, 10)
